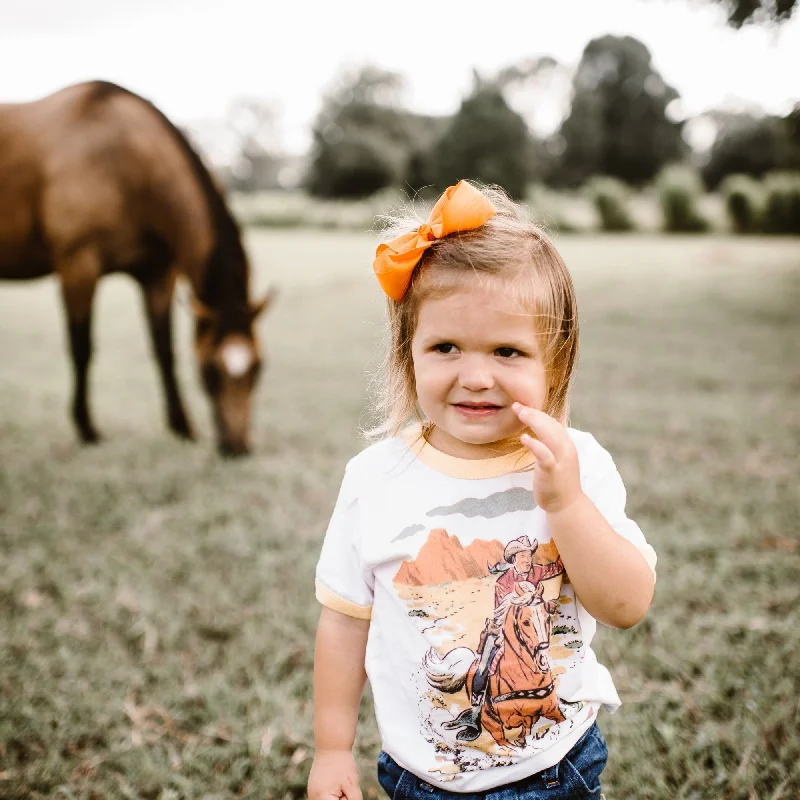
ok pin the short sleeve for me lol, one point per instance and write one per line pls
(603, 485)
(341, 582)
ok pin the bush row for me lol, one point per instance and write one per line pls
(768, 206)
(677, 203)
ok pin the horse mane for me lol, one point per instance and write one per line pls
(224, 287)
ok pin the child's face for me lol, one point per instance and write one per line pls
(474, 355)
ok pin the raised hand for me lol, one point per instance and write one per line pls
(556, 477)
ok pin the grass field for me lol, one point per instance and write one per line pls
(157, 603)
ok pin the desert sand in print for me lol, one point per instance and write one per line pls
(450, 593)
(452, 614)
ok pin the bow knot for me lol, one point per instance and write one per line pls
(426, 232)
(461, 208)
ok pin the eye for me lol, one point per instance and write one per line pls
(446, 348)
(204, 326)
(508, 352)
(212, 378)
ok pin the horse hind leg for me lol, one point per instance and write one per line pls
(158, 294)
(79, 274)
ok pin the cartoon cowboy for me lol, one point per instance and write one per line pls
(519, 554)
(518, 567)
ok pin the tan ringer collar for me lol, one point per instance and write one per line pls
(471, 469)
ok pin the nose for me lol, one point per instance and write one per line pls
(475, 374)
(233, 449)
(232, 416)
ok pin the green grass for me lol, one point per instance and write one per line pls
(157, 603)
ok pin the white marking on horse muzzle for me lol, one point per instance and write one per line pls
(236, 358)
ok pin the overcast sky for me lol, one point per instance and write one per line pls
(192, 57)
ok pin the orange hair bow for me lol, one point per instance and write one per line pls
(461, 208)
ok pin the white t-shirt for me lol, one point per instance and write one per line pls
(433, 550)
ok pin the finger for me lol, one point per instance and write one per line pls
(549, 431)
(544, 457)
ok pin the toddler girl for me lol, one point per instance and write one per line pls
(473, 549)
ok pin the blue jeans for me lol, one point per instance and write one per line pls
(576, 776)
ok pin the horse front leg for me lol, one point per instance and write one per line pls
(493, 725)
(158, 309)
(78, 275)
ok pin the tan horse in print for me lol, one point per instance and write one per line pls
(521, 688)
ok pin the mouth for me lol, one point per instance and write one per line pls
(477, 410)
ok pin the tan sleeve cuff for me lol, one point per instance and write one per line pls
(333, 601)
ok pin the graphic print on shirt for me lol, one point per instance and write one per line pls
(488, 684)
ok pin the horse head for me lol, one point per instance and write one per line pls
(230, 363)
(530, 623)
(527, 593)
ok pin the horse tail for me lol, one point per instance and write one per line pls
(448, 673)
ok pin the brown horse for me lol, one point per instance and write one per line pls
(95, 180)
(521, 688)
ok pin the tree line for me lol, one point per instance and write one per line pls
(622, 123)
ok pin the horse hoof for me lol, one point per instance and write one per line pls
(182, 431)
(179, 424)
(90, 436)
(233, 451)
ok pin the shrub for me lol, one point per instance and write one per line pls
(679, 190)
(782, 205)
(744, 202)
(610, 198)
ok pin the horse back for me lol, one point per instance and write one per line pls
(94, 165)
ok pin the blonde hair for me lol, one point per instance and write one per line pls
(510, 248)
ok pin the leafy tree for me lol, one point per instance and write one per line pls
(750, 145)
(741, 12)
(486, 141)
(244, 147)
(537, 88)
(363, 139)
(254, 123)
(618, 123)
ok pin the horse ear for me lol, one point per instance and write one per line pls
(201, 310)
(262, 305)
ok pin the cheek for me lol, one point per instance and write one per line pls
(529, 387)
(430, 379)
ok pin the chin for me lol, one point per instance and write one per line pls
(472, 436)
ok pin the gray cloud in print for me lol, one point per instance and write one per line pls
(495, 505)
(409, 531)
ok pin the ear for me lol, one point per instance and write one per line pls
(201, 311)
(262, 305)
